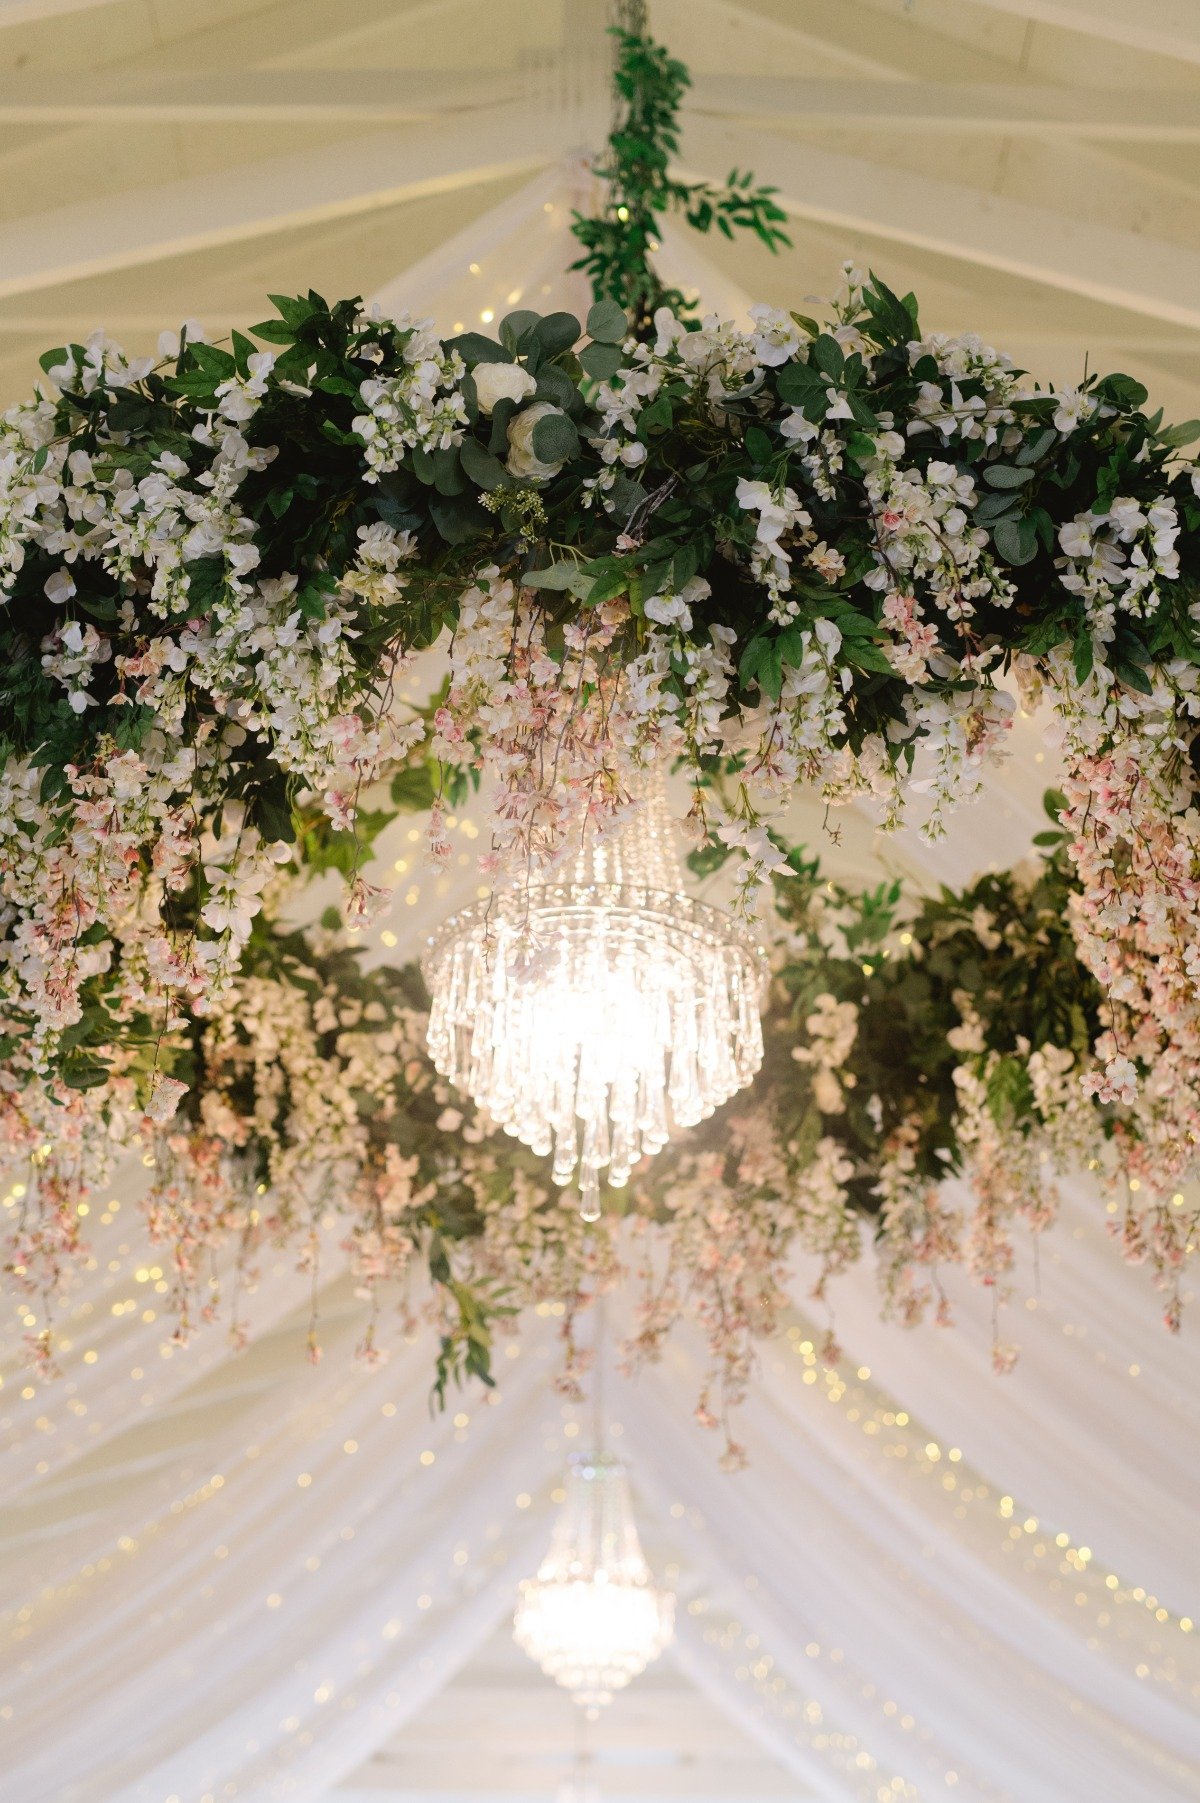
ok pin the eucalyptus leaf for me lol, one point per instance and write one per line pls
(484, 470)
(556, 333)
(557, 576)
(474, 348)
(1175, 436)
(553, 384)
(606, 322)
(514, 326)
(1005, 475)
(1015, 540)
(601, 361)
(555, 439)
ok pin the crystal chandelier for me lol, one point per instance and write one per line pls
(592, 1618)
(592, 1013)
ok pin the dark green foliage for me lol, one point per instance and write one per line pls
(620, 242)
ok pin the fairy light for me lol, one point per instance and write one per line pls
(900, 1439)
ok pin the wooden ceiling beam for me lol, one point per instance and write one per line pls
(1141, 274)
(379, 96)
(358, 177)
(252, 97)
(1011, 110)
(1169, 28)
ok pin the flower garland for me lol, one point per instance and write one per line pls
(904, 1046)
(827, 542)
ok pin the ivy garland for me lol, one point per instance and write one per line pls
(620, 241)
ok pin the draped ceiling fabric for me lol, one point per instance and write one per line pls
(239, 1576)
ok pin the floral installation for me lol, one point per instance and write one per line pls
(908, 1042)
(827, 550)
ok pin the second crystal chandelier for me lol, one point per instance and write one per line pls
(592, 1014)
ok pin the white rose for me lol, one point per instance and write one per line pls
(501, 382)
(522, 461)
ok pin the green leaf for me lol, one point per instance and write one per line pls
(828, 356)
(556, 333)
(1036, 447)
(474, 348)
(708, 859)
(762, 662)
(1133, 677)
(861, 413)
(798, 383)
(1015, 540)
(554, 384)
(514, 326)
(272, 811)
(558, 577)
(459, 518)
(1123, 391)
(1084, 657)
(51, 359)
(685, 564)
(447, 471)
(758, 445)
(275, 331)
(606, 322)
(83, 1073)
(654, 418)
(412, 788)
(1005, 475)
(243, 350)
(608, 576)
(1174, 436)
(995, 506)
(601, 361)
(866, 655)
(555, 439)
(295, 309)
(502, 413)
(485, 471)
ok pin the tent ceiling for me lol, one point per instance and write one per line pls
(1029, 166)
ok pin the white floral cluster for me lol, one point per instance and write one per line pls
(832, 1028)
(568, 737)
(263, 659)
(1117, 560)
(961, 360)
(932, 564)
(420, 405)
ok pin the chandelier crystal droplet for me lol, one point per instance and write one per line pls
(592, 1013)
(592, 1618)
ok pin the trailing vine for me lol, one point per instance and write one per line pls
(620, 242)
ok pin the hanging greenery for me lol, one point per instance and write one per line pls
(620, 242)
